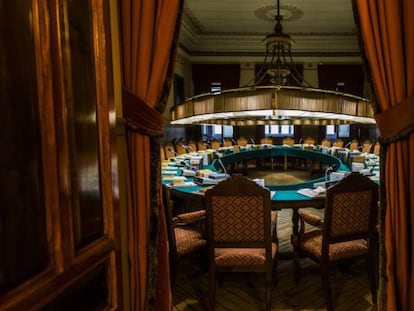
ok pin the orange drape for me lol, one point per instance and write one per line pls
(387, 32)
(148, 31)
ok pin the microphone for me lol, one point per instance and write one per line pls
(221, 163)
(300, 140)
(329, 169)
(347, 145)
(252, 141)
(233, 141)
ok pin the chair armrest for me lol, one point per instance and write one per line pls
(311, 219)
(189, 218)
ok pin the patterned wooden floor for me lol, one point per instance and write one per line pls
(350, 289)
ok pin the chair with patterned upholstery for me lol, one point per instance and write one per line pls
(288, 141)
(186, 234)
(377, 148)
(201, 145)
(267, 142)
(162, 153)
(346, 233)
(354, 145)
(366, 146)
(326, 143)
(215, 144)
(180, 147)
(193, 146)
(169, 150)
(239, 233)
(339, 143)
(227, 142)
(242, 142)
(309, 142)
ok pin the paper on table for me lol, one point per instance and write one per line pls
(184, 184)
(175, 178)
(318, 192)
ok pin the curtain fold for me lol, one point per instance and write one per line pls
(148, 31)
(387, 33)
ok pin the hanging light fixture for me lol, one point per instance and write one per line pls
(278, 102)
(278, 62)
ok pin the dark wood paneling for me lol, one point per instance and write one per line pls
(58, 170)
(205, 74)
(82, 125)
(22, 202)
(351, 75)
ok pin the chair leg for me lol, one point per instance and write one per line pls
(275, 278)
(173, 272)
(268, 291)
(326, 286)
(297, 265)
(211, 290)
(372, 277)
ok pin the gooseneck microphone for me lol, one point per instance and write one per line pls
(252, 141)
(221, 163)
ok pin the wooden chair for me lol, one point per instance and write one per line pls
(309, 141)
(287, 141)
(346, 233)
(339, 143)
(239, 232)
(186, 234)
(366, 146)
(242, 142)
(377, 148)
(162, 153)
(227, 142)
(179, 147)
(353, 145)
(201, 145)
(193, 146)
(215, 144)
(169, 150)
(266, 141)
(270, 160)
(326, 143)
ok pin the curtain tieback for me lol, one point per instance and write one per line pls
(397, 121)
(140, 116)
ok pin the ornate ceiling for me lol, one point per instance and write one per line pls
(233, 30)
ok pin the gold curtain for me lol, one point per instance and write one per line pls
(387, 33)
(148, 43)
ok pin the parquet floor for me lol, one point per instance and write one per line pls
(350, 288)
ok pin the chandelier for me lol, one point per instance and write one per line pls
(277, 102)
(278, 63)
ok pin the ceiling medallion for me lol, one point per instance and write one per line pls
(268, 13)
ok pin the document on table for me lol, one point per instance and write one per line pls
(318, 192)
